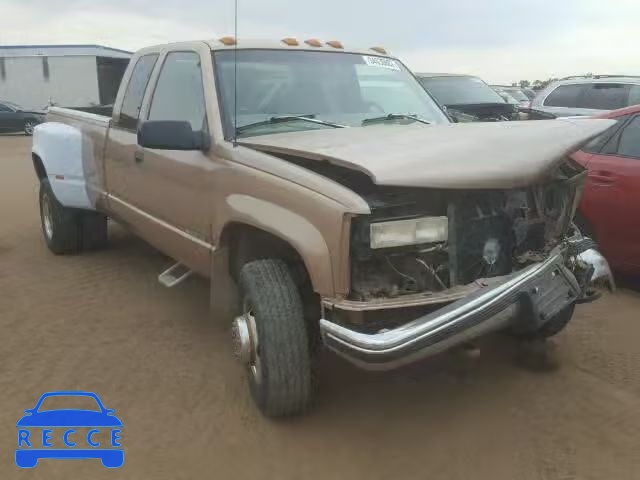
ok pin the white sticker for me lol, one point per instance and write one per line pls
(382, 62)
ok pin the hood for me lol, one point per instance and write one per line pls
(462, 155)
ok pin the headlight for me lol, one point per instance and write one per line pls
(409, 232)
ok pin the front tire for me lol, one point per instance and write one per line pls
(279, 363)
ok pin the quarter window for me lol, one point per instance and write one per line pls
(179, 93)
(135, 92)
(564, 96)
(605, 96)
(629, 139)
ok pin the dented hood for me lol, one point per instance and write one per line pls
(469, 155)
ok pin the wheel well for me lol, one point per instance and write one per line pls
(39, 167)
(246, 243)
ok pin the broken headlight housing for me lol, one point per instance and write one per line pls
(414, 231)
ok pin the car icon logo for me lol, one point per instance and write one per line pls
(80, 433)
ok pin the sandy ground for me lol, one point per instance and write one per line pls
(100, 322)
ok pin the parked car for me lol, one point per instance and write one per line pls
(530, 93)
(516, 93)
(14, 118)
(589, 96)
(610, 206)
(467, 95)
(330, 201)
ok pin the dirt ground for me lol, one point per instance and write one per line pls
(100, 322)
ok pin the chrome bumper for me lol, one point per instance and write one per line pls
(532, 295)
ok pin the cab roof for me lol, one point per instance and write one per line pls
(312, 45)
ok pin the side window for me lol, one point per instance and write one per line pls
(595, 145)
(564, 96)
(634, 95)
(179, 94)
(628, 140)
(135, 92)
(605, 96)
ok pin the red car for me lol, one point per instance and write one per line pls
(610, 207)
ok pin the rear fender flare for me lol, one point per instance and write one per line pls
(60, 149)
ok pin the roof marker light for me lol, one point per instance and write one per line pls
(292, 42)
(313, 42)
(379, 50)
(228, 41)
(334, 44)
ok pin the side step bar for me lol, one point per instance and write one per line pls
(174, 275)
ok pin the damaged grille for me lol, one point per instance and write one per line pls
(491, 233)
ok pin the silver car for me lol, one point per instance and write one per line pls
(574, 96)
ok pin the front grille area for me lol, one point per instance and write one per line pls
(491, 233)
(481, 239)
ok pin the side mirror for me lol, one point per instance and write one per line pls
(171, 135)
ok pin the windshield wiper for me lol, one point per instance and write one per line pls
(394, 116)
(288, 118)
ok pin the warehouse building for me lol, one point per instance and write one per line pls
(35, 76)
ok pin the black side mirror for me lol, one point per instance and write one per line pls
(171, 135)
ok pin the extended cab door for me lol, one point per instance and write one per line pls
(166, 193)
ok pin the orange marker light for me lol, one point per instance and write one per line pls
(228, 41)
(334, 44)
(379, 50)
(292, 42)
(313, 42)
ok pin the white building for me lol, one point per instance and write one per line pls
(67, 75)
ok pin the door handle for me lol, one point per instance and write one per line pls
(138, 157)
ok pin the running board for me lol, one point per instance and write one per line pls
(174, 275)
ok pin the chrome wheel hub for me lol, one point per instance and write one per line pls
(47, 221)
(245, 342)
(28, 128)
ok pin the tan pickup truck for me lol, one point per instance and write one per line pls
(329, 200)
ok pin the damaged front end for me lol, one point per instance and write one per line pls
(431, 269)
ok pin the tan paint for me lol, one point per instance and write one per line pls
(463, 155)
(182, 202)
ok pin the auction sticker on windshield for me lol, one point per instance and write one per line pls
(382, 62)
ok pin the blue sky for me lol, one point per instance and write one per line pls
(500, 40)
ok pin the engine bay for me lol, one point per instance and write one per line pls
(490, 234)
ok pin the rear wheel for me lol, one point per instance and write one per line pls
(60, 225)
(68, 230)
(29, 126)
(270, 337)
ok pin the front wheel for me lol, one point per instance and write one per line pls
(270, 337)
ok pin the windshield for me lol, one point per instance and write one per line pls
(341, 88)
(15, 106)
(460, 90)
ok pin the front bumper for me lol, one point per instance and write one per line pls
(525, 299)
